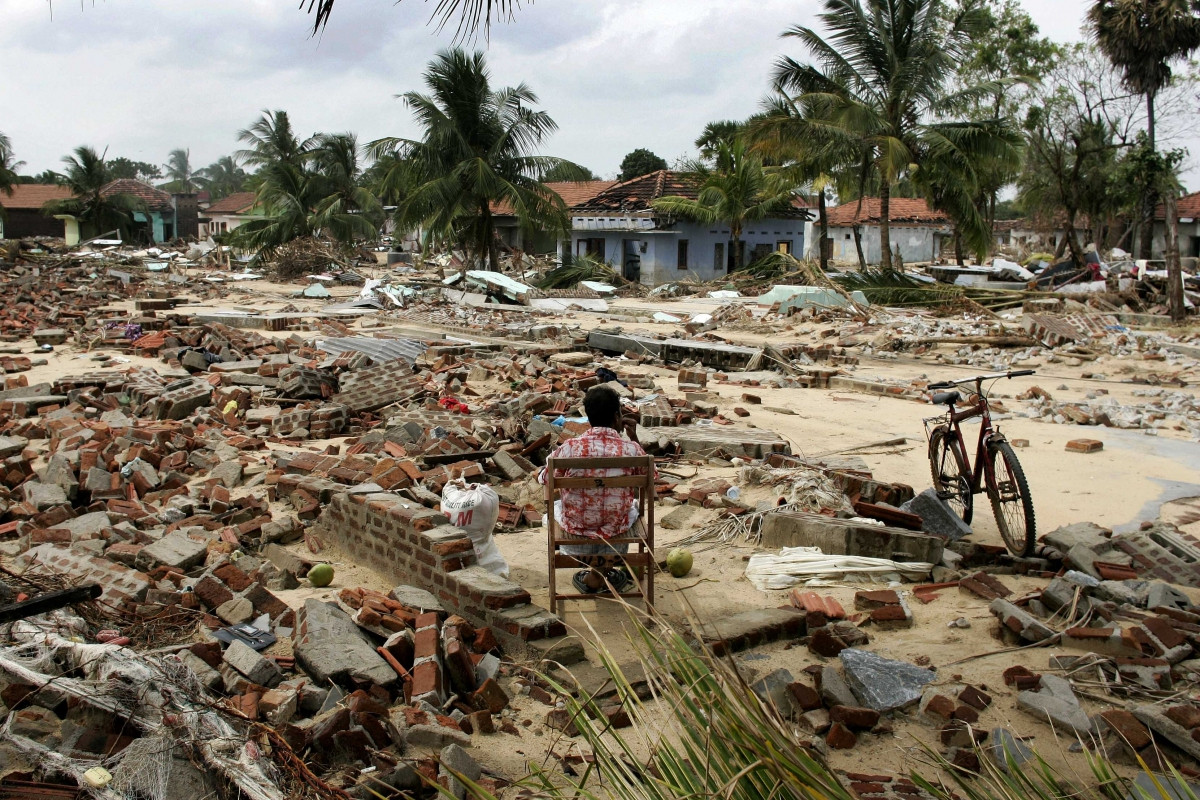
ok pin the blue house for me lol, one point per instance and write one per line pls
(619, 226)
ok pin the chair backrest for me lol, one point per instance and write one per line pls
(618, 472)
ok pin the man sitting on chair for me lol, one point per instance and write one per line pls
(601, 513)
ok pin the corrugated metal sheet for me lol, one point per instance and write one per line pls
(380, 350)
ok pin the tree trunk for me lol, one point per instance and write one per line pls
(735, 241)
(1150, 201)
(823, 219)
(885, 231)
(1171, 254)
(958, 251)
(1073, 242)
(487, 243)
(862, 259)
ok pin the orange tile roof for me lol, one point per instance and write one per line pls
(236, 203)
(571, 192)
(1187, 206)
(33, 195)
(155, 199)
(900, 209)
(636, 194)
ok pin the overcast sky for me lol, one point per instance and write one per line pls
(142, 77)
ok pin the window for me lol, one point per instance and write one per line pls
(591, 247)
(719, 257)
(784, 246)
(682, 262)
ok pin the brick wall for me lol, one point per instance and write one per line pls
(416, 546)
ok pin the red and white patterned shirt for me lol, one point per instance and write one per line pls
(596, 513)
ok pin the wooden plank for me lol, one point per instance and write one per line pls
(49, 602)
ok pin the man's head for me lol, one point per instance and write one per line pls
(603, 407)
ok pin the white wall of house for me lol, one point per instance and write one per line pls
(220, 223)
(1189, 239)
(685, 250)
(916, 242)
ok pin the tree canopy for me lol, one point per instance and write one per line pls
(640, 162)
(479, 145)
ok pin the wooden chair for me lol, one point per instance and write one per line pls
(639, 561)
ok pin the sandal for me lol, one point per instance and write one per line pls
(579, 580)
(620, 580)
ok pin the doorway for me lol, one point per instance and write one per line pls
(632, 262)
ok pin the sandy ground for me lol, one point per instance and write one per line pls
(1125, 483)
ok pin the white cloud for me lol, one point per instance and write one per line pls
(143, 77)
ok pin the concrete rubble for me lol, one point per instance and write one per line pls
(196, 462)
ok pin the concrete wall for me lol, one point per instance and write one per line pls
(916, 242)
(1189, 240)
(659, 261)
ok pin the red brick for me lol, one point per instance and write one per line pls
(840, 737)
(1127, 727)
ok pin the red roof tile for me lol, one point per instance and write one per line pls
(155, 199)
(571, 192)
(33, 195)
(636, 194)
(236, 203)
(1188, 206)
(900, 209)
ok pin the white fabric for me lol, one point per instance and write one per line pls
(792, 565)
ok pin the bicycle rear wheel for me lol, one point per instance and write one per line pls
(948, 464)
(1009, 492)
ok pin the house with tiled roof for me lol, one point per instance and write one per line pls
(23, 211)
(917, 231)
(164, 216)
(1187, 210)
(228, 213)
(619, 225)
(510, 231)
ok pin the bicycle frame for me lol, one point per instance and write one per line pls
(982, 469)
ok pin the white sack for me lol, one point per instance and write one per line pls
(475, 508)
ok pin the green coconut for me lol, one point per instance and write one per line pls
(679, 562)
(322, 574)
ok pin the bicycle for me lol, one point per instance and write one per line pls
(996, 469)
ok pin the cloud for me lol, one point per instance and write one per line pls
(143, 77)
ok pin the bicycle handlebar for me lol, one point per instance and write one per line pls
(1016, 373)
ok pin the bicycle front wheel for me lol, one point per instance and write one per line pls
(1009, 492)
(948, 464)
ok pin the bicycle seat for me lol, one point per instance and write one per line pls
(946, 398)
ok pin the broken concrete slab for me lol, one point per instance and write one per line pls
(937, 517)
(846, 537)
(330, 647)
(884, 684)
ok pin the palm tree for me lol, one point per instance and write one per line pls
(296, 206)
(880, 87)
(1142, 38)
(339, 177)
(725, 130)
(478, 147)
(272, 141)
(222, 178)
(86, 176)
(179, 170)
(733, 190)
(8, 165)
(472, 13)
(790, 136)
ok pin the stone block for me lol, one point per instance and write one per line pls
(252, 664)
(884, 684)
(176, 549)
(845, 537)
(456, 762)
(329, 646)
(937, 517)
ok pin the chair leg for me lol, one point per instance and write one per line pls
(553, 587)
